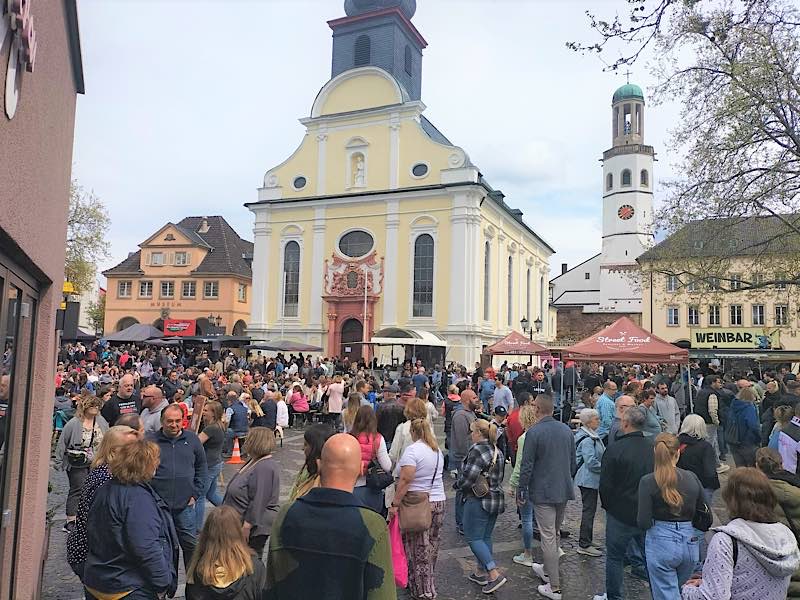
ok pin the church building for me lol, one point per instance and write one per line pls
(596, 292)
(378, 226)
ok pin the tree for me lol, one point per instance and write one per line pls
(96, 312)
(87, 228)
(734, 66)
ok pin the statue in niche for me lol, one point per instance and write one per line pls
(358, 172)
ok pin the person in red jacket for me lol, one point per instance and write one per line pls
(513, 426)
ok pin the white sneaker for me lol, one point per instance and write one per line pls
(547, 592)
(600, 597)
(589, 551)
(538, 570)
(561, 552)
(722, 468)
(521, 559)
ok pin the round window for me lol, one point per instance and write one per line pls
(356, 244)
(299, 182)
(419, 170)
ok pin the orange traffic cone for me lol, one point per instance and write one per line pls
(236, 457)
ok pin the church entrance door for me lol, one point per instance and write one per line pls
(352, 337)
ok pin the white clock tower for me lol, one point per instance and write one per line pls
(627, 204)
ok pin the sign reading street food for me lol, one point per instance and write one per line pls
(180, 327)
(750, 338)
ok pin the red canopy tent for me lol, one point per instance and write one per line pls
(516, 343)
(625, 341)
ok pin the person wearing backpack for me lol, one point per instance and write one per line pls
(589, 450)
(742, 429)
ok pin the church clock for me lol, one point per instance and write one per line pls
(625, 212)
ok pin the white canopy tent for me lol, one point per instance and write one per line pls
(394, 341)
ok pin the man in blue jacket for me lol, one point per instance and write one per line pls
(180, 475)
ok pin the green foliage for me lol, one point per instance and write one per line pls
(96, 312)
(87, 227)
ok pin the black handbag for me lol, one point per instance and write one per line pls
(703, 518)
(377, 478)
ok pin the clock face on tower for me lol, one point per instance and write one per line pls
(625, 212)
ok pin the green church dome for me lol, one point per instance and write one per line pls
(628, 91)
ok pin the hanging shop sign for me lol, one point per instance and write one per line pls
(17, 32)
(754, 338)
(180, 327)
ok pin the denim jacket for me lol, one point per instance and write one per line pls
(589, 451)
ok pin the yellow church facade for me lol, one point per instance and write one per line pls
(378, 223)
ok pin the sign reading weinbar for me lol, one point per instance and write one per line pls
(752, 338)
(180, 327)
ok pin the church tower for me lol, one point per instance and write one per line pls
(379, 33)
(627, 203)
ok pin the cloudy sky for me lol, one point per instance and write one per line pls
(188, 103)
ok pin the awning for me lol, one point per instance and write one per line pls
(138, 332)
(284, 346)
(517, 344)
(396, 336)
(758, 355)
(625, 341)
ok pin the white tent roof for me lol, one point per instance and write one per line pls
(396, 336)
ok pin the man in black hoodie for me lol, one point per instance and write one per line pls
(625, 462)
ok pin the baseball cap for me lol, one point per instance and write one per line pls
(501, 411)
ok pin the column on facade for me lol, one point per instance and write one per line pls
(317, 267)
(322, 157)
(473, 257)
(262, 238)
(390, 265)
(394, 152)
(502, 277)
(459, 268)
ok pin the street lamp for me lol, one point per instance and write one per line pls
(538, 324)
(526, 327)
(525, 324)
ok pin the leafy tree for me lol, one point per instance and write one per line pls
(87, 227)
(96, 312)
(734, 67)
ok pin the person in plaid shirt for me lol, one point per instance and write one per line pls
(483, 460)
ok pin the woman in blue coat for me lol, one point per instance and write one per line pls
(133, 547)
(746, 428)
(589, 451)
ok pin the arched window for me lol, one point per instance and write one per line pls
(626, 177)
(291, 286)
(644, 178)
(362, 52)
(609, 181)
(510, 290)
(423, 276)
(528, 294)
(409, 61)
(487, 274)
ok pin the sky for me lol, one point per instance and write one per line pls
(188, 103)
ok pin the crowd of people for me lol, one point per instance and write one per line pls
(143, 434)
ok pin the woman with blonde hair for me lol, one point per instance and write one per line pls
(223, 566)
(212, 436)
(133, 547)
(783, 415)
(79, 442)
(527, 418)
(480, 481)
(254, 408)
(255, 489)
(421, 466)
(668, 500)
(349, 414)
(115, 438)
(416, 408)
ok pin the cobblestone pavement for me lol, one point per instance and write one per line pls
(581, 576)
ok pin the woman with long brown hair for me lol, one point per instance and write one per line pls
(373, 448)
(350, 411)
(668, 500)
(421, 468)
(223, 566)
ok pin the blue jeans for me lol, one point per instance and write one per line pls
(673, 549)
(186, 528)
(618, 537)
(229, 435)
(478, 527)
(212, 494)
(526, 515)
